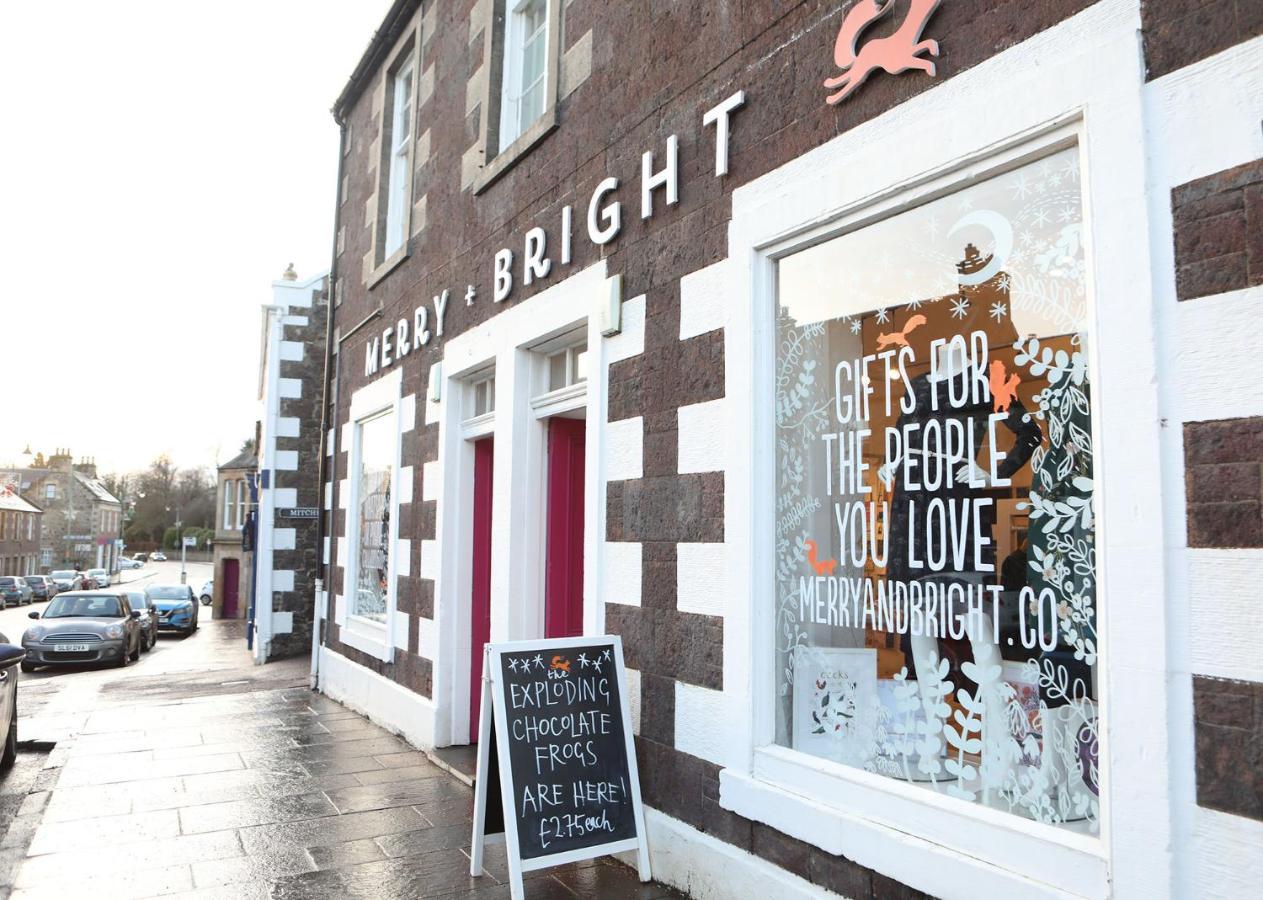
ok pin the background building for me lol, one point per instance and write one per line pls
(612, 289)
(231, 559)
(82, 522)
(20, 530)
(287, 554)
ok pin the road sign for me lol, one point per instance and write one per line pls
(190, 542)
(298, 512)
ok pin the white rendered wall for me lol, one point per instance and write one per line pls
(1200, 120)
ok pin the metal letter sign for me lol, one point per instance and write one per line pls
(894, 53)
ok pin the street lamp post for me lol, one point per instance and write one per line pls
(179, 536)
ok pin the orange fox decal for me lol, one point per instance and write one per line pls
(821, 566)
(896, 53)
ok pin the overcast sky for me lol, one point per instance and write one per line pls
(162, 163)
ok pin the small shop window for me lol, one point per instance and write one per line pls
(377, 439)
(484, 396)
(568, 367)
(935, 577)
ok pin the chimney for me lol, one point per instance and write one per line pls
(86, 466)
(61, 460)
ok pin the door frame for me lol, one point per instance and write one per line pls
(509, 341)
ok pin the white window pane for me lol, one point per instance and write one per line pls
(374, 510)
(935, 539)
(557, 376)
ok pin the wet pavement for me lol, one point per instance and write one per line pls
(210, 777)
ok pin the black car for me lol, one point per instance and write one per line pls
(14, 591)
(148, 617)
(43, 587)
(10, 656)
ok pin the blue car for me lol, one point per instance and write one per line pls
(177, 607)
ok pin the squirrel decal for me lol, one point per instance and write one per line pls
(900, 338)
(1003, 390)
(895, 53)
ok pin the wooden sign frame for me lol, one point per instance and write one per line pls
(493, 714)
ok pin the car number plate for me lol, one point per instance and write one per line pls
(71, 648)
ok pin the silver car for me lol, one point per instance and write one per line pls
(83, 627)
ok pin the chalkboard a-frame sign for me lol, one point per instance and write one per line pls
(567, 783)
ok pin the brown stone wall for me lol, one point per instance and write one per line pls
(1218, 224)
(1180, 32)
(1229, 735)
(1223, 477)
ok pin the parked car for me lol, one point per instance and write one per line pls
(207, 593)
(177, 607)
(43, 587)
(159, 556)
(83, 626)
(14, 591)
(125, 563)
(101, 577)
(10, 656)
(148, 617)
(67, 580)
(141, 558)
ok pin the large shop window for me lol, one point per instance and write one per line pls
(936, 617)
(374, 507)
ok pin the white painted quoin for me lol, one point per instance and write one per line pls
(1165, 611)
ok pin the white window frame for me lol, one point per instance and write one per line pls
(230, 496)
(377, 639)
(403, 89)
(547, 401)
(241, 504)
(50, 491)
(1078, 81)
(512, 90)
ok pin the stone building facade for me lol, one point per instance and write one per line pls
(82, 522)
(703, 237)
(20, 530)
(230, 557)
(287, 553)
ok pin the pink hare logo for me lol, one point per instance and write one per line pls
(895, 53)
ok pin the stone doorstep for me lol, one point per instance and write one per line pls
(459, 762)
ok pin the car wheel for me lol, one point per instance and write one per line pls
(11, 739)
(135, 655)
(123, 659)
(206, 599)
(28, 667)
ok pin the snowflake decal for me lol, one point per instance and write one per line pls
(855, 326)
(999, 311)
(882, 316)
(915, 304)
(960, 308)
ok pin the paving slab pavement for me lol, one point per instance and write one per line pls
(209, 777)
